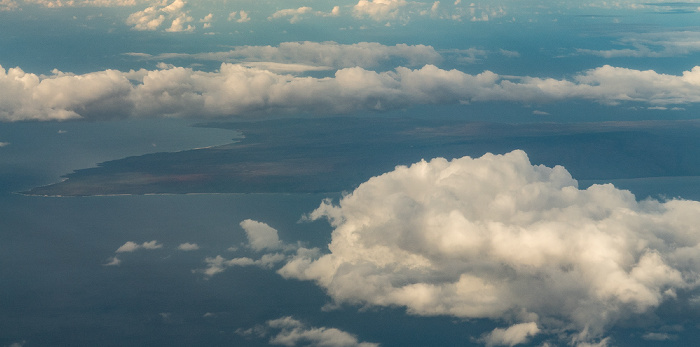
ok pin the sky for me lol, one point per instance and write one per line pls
(518, 251)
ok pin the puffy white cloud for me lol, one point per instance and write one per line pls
(324, 54)
(179, 24)
(131, 246)
(153, 17)
(239, 17)
(25, 96)
(207, 20)
(295, 15)
(497, 237)
(261, 236)
(379, 10)
(148, 19)
(292, 332)
(80, 3)
(8, 5)
(188, 246)
(514, 335)
(236, 90)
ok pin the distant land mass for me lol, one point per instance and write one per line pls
(337, 154)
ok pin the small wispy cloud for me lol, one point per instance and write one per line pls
(130, 246)
(113, 261)
(188, 246)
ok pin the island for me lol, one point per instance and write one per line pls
(311, 155)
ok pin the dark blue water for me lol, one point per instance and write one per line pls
(56, 290)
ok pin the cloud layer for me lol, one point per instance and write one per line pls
(655, 45)
(329, 55)
(497, 237)
(237, 90)
(288, 331)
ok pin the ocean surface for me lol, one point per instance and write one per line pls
(57, 290)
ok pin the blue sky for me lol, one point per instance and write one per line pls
(525, 256)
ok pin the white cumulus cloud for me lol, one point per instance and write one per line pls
(497, 237)
(239, 16)
(297, 14)
(153, 17)
(379, 9)
(131, 246)
(261, 236)
(237, 90)
(294, 14)
(514, 335)
(81, 3)
(8, 5)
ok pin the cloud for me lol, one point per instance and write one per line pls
(285, 68)
(153, 17)
(323, 54)
(3, 144)
(484, 13)
(654, 44)
(510, 54)
(379, 10)
(658, 337)
(188, 246)
(113, 261)
(242, 16)
(236, 90)
(288, 331)
(131, 246)
(8, 5)
(207, 20)
(84, 3)
(497, 237)
(295, 15)
(261, 236)
(219, 264)
(514, 335)
(470, 55)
